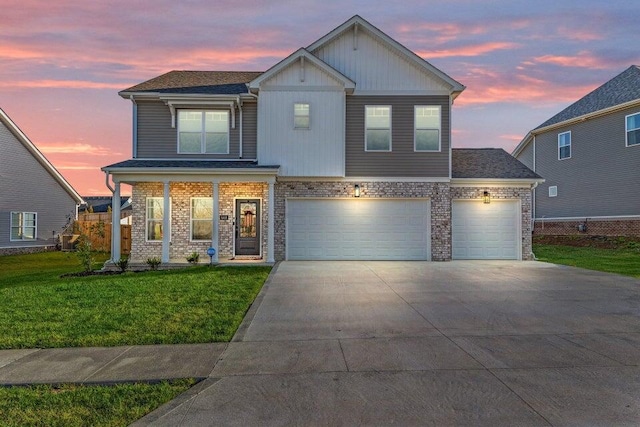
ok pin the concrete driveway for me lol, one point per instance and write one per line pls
(419, 343)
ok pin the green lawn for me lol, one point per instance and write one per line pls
(193, 305)
(76, 405)
(624, 260)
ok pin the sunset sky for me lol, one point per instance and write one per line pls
(63, 62)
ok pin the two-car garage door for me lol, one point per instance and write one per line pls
(358, 229)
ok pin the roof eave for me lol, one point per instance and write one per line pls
(189, 171)
(522, 145)
(510, 182)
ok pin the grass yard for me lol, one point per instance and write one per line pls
(75, 405)
(193, 305)
(624, 259)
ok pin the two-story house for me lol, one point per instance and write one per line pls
(341, 151)
(589, 155)
(36, 201)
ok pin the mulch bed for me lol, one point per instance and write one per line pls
(602, 242)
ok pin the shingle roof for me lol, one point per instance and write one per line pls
(203, 82)
(624, 87)
(490, 163)
(190, 164)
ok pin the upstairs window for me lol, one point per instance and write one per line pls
(203, 132)
(377, 123)
(201, 218)
(633, 129)
(427, 128)
(155, 218)
(301, 116)
(564, 145)
(23, 225)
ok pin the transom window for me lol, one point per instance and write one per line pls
(564, 145)
(201, 218)
(301, 116)
(155, 217)
(633, 129)
(23, 225)
(427, 128)
(203, 132)
(377, 124)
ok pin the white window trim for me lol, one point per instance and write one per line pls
(146, 218)
(210, 201)
(390, 128)
(203, 144)
(308, 116)
(415, 128)
(570, 145)
(553, 191)
(626, 130)
(35, 231)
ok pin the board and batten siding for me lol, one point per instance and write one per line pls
(158, 140)
(600, 179)
(376, 67)
(317, 151)
(402, 161)
(26, 186)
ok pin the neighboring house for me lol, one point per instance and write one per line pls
(340, 151)
(100, 204)
(589, 155)
(36, 202)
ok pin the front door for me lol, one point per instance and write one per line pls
(247, 227)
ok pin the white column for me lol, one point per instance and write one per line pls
(166, 224)
(215, 239)
(115, 223)
(271, 224)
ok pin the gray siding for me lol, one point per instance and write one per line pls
(526, 155)
(402, 160)
(26, 186)
(157, 139)
(602, 176)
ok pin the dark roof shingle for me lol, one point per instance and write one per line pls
(489, 163)
(624, 87)
(190, 164)
(198, 82)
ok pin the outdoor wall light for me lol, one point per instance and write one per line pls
(356, 191)
(486, 197)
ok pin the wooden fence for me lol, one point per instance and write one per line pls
(99, 234)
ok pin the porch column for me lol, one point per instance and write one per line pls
(215, 239)
(115, 223)
(166, 223)
(271, 223)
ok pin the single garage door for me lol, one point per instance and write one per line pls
(485, 231)
(358, 229)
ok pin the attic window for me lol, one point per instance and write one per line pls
(301, 118)
(633, 129)
(553, 191)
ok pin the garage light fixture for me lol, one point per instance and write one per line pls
(356, 191)
(486, 197)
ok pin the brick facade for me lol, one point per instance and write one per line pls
(599, 227)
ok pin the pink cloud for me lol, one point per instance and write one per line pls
(469, 50)
(77, 148)
(583, 59)
(60, 84)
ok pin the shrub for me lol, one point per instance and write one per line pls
(123, 263)
(154, 262)
(193, 258)
(84, 253)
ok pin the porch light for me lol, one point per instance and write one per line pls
(356, 190)
(486, 197)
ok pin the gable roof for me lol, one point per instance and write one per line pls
(623, 88)
(488, 163)
(356, 20)
(297, 55)
(196, 82)
(31, 148)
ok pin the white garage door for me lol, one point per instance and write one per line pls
(358, 229)
(485, 231)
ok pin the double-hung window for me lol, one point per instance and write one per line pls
(564, 145)
(427, 128)
(377, 123)
(155, 218)
(201, 218)
(633, 129)
(203, 132)
(301, 116)
(23, 225)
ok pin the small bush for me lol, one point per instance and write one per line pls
(193, 258)
(154, 262)
(84, 253)
(123, 264)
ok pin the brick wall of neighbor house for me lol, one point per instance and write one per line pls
(181, 194)
(613, 227)
(522, 193)
(438, 193)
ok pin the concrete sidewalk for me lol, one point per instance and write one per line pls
(90, 365)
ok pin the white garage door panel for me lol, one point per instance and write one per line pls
(485, 231)
(358, 229)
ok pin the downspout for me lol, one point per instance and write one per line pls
(113, 191)
(135, 128)
(240, 129)
(533, 196)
